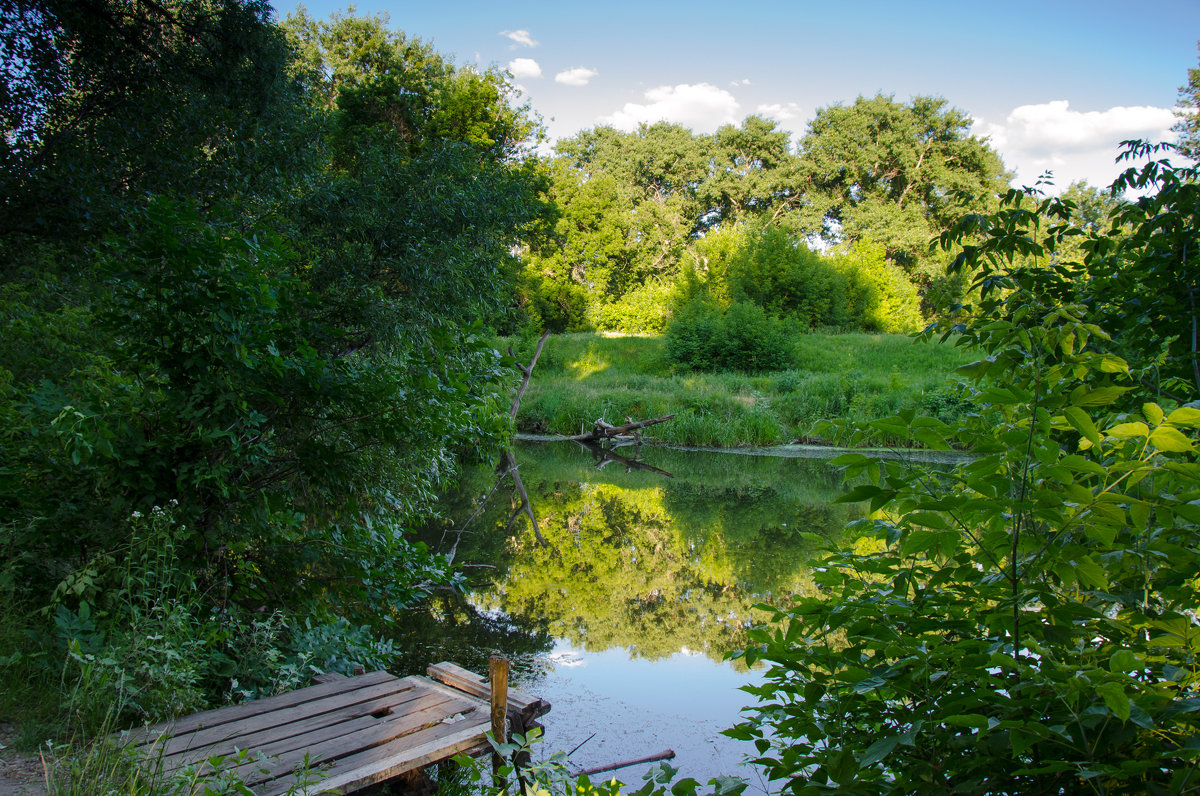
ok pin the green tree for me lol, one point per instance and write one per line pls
(1188, 111)
(753, 174)
(265, 308)
(888, 173)
(634, 203)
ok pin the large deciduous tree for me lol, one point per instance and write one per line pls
(633, 202)
(1188, 111)
(248, 282)
(892, 173)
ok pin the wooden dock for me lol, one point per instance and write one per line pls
(353, 731)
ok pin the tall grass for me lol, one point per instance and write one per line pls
(858, 377)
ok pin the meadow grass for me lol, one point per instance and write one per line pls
(854, 377)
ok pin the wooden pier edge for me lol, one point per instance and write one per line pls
(523, 708)
(361, 730)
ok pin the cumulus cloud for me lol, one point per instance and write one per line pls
(522, 68)
(1074, 145)
(579, 76)
(782, 113)
(701, 107)
(521, 37)
(737, 83)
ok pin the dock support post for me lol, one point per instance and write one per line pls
(498, 679)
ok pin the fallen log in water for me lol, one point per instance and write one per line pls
(604, 430)
(605, 456)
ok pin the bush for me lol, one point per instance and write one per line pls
(1023, 621)
(880, 295)
(742, 338)
(775, 271)
(557, 306)
(644, 310)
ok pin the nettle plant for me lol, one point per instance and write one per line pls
(1023, 621)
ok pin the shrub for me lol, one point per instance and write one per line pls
(777, 272)
(644, 310)
(880, 295)
(1023, 621)
(742, 338)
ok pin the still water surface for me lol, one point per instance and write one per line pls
(646, 580)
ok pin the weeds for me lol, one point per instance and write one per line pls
(859, 377)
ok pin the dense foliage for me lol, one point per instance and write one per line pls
(1025, 621)
(1188, 111)
(877, 176)
(242, 268)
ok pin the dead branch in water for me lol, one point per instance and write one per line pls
(604, 430)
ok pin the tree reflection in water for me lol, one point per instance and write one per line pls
(633, 559)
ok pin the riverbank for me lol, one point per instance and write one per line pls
(855, 377)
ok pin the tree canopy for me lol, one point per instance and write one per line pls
(894, 174)
(243, 269)
(1188, 112)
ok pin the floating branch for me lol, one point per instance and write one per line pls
(604, 430)
(667, 755)
(606, 456)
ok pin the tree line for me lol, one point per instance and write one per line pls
(637, 209)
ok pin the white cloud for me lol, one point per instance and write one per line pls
(521, 37)
(701, 107)
(780, 112)
(524, 68)
(737, 83)
(1074, 145)
(579, 76)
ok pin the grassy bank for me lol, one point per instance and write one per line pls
(857, 377)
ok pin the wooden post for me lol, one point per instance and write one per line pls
(498, 679)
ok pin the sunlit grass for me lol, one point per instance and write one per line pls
(583, 377)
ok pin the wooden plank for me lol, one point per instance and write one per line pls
(529, 706)
(273, 746)
(212, 718)
(324, 747)
(362, 700)
(336, 724)
(199, 746)
(385, 762)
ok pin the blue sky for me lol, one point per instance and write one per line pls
(1055, 84)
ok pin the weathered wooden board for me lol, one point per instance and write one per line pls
(526, 705)
(349, 732)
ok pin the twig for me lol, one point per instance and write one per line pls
(527, 371)
(667, 755)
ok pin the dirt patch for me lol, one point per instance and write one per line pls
(20, 774)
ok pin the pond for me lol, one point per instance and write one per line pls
(645, 577)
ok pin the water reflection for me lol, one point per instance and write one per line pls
(652, 562)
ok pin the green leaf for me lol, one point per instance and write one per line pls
(1153, 412)
(849, 459)
(1185, 416)
(1080, 421)
(1123, 661)
(1102, 396)
(1115, 698)
(1090, 573)
(878, 750)
(973, 720)
(1127, 430)
(928, 519)
(1139, 515)
(977, 369)
(1170, 440)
